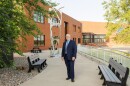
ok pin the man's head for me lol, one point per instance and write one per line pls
(68, 37)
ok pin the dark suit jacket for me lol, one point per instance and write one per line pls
(71, 50)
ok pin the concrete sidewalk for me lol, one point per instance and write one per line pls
(86, 73)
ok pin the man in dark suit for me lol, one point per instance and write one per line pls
(69, 51)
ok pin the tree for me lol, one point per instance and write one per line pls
(15, 24)
(117, 13)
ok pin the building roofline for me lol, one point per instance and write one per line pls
(71, 17)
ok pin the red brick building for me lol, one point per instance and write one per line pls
(69, 25)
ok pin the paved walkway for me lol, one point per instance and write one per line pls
(86, 72)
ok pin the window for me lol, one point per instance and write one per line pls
(96, 36)
(96, 40)
(79, 40)
(87, 38)
(99, 38)
(55, 20)
(73, 38)
(85, 41)
(102, 36)
(39, 40)
(79, 29)
(38, 17)
(74, 27)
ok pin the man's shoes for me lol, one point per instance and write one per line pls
(67, 78)
(72, 80)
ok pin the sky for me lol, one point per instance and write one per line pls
(83, 10)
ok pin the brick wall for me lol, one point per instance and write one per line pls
(45, 29)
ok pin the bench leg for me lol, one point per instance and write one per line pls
(104, 82)
(38, 68)
(101, 77)
(99, 72)
(45, 63)
(30, 68)
(41, 66)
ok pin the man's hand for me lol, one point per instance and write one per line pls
(62, 58)
(73, 58)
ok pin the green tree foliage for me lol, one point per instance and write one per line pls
(15, 24)
(117, 13)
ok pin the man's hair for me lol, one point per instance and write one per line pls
(68, 35)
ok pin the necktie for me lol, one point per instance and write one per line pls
(66, 46)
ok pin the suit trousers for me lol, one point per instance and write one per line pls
(70, 67)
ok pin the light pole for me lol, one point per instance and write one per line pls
(59, 23)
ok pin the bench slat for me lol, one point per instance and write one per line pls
(118, 65)
(39, 62)
(107, 72)
(109, 75)
(102, 70)
(112, 75)
(119, 68)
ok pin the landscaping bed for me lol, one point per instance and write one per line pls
(16, 75)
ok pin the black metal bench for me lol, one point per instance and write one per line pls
(114, 74)
(35, 61)
(36, 50)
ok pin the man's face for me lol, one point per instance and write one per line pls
(67, 37)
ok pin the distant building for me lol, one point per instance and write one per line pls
(93, 32)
